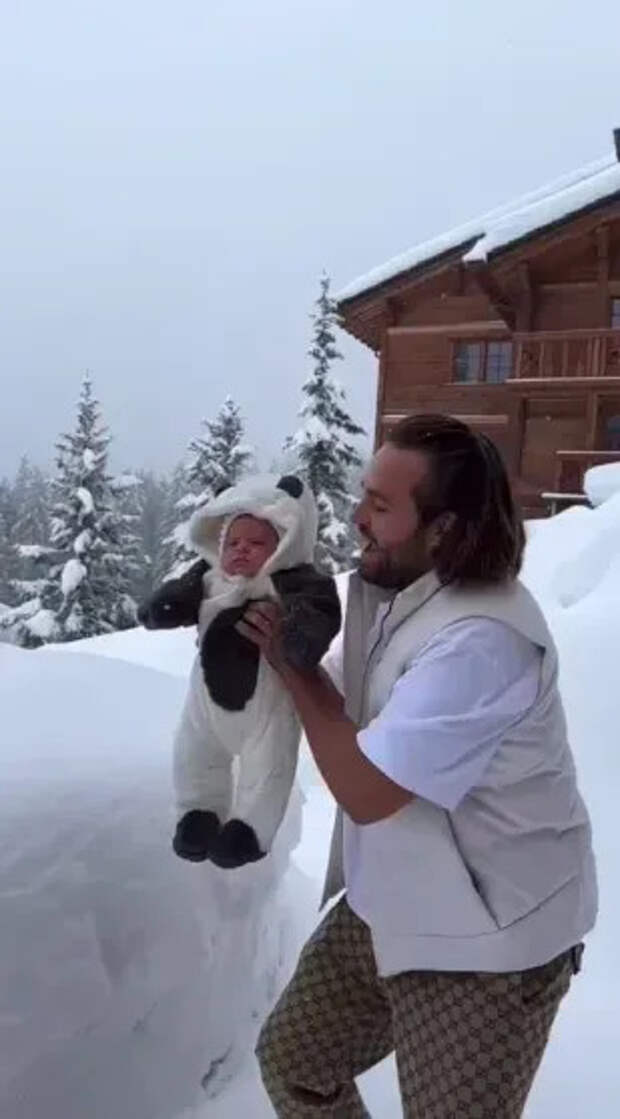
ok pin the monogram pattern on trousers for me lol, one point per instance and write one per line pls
(467, 1044)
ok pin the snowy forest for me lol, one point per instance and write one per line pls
(79, 549)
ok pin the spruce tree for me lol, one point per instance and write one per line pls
(152, 526)
(86, 587)
(126, 490)
(217, 458)
(31, 528)
(31, 500)
(9, 558)
(174, 488)
(9, 564)
(321, 449)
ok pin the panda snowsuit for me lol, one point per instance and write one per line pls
(237, 706)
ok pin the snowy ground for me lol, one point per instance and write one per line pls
(132, 985)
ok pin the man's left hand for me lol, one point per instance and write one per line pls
(262, 624)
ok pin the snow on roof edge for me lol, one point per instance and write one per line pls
(526, 220)
(500, 226)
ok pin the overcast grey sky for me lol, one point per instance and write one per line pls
(174, 177)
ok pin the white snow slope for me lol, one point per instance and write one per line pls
(127, 978)
(130, 983)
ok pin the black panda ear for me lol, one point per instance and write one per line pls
(291, 485)
(221, 489)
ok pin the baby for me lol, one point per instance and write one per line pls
(248, 544)
(257, 541)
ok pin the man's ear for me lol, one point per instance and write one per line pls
(440, 527)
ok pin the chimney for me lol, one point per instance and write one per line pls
(617, 143)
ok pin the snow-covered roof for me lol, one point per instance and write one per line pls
(505, 225)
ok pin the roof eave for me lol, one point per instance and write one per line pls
(550, 227)
(410, 276)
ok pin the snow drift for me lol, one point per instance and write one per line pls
(602, 482)
(131, 984)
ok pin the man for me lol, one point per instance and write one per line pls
(461, 840)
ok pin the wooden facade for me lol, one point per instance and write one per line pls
(524, 346)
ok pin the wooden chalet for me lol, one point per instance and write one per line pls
(512, 323)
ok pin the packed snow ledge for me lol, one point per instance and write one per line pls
(132, 985)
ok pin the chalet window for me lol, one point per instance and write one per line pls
(482, 361)
(498, 362)
(615, 314)
(468, 361)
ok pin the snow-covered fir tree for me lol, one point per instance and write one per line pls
(322, 448)
(154, 523)
(31, 527)
(217, 458)
(128, 496)
(86, 586)
(174, 487)
(9, 564)
(9, 558)
(30, 494)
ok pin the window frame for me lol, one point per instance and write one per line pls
(482, 378)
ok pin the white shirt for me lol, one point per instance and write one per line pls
(449, 711)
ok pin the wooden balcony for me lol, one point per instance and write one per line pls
(571, 466)
(567, 354)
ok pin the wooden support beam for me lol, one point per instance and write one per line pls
(602, 260)
(487, 283)
(525, 309)
(592, 420)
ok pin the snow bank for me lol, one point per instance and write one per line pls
(574, 554)
(131, 984)
(171, 652)
(602, 482)
(573, 563)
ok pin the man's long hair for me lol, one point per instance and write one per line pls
(484, 539)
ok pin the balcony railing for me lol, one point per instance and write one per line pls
(574, 353)
(571, 466)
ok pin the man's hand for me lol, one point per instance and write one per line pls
(262, 624)
(365, 793)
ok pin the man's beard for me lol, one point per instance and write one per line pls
(383, 569)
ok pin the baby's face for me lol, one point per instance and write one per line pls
(249, 543)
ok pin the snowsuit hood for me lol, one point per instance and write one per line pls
(285, 501)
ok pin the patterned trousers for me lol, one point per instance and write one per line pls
(467, 1044)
